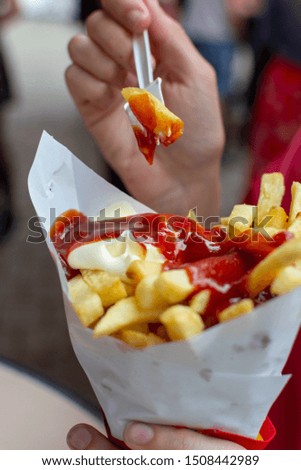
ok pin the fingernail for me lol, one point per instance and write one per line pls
(79, 437)
(138, 434)
(136, 16)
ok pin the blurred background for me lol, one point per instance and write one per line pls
(33, 97)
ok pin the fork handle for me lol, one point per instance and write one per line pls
(143, 59)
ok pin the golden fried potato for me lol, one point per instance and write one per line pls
(278, 218)
(123, 314)
(108, 286)
(153, 115)
(295, 203)
(174, 286)
(130, 287)
(200, 301)
(139, 269)
(286, 280)
(265, 272)
(137, 339)
(142, 328)
(241, 218)
(86, 303)
(236, 310)
(181, 322)
(147, 295)
(295, 226)
(271, 194)
(224, 221)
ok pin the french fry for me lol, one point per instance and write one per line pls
(278, 218)
(271, 193)
(236, 310)
(224, 221)
(265, 272)
(139, 269)
(296, 202)
(192, 215)
(130, 287)
(181, 322)
(142, 328)
(241, 218)
(286, 280)
(270, 231)
(123, 314)
(200, 301)
(137, 339)
(86, 303)
(147, 295)
(108, 286)
(174, 286)
(153, 114)
(295, 226)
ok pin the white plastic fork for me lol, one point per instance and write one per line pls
(144, 71)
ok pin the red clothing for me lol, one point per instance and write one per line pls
(276, 114)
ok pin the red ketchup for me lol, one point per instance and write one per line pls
(211, 260)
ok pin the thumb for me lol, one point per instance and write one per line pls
(153, 437)
(170, 43)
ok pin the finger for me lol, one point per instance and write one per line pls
(131, 14)
(88, 56)
(170, 43)
(85, 88)
(85, 437)
(112, 38)
(141, 436)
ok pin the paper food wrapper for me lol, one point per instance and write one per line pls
(226, 378)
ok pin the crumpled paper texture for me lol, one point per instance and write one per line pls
(227, 378)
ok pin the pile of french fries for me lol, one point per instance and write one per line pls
(151, 306)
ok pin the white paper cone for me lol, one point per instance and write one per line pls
(226, 378)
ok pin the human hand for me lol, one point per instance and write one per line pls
(139, 436)
(184, 175)
(244, 9)
(8, 10)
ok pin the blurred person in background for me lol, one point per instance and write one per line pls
(215, 27)
(8, 9)
(275, 96)
(207, 24)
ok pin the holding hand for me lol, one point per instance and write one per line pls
(139, 436)
(187, 173)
